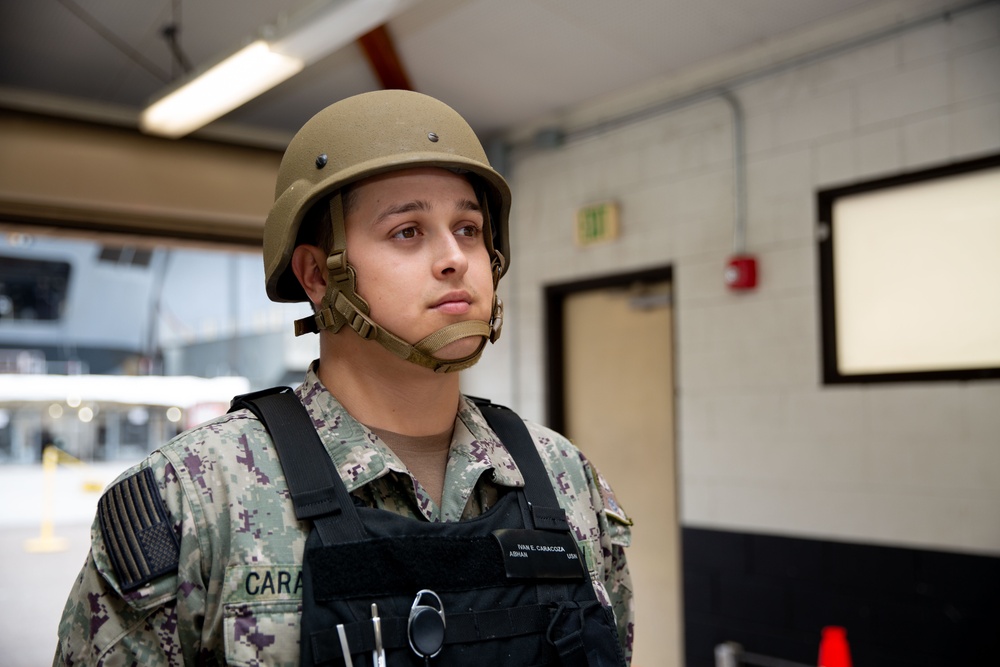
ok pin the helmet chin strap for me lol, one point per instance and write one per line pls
(342, 305)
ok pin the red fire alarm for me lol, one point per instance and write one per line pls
(741, 272)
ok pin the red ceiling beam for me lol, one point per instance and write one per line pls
(382, 56)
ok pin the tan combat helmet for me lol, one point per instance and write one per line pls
(353, 139)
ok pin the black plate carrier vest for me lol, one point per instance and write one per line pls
(511, 585)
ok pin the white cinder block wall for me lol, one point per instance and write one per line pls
(763, 446)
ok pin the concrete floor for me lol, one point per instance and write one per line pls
(33, 586)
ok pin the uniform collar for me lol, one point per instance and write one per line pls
(481, 445)
(368, 458)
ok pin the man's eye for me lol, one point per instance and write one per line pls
(469, 230)
(406, 233)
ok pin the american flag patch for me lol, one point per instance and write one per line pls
(137, 531)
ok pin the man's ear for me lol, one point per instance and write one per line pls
(309, 266)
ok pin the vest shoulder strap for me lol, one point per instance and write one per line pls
(317, 491)
(514, 435)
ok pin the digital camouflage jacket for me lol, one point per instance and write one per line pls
(234, 596)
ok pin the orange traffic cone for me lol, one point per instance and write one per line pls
(833, 649)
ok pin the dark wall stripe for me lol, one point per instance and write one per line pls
(901, 606)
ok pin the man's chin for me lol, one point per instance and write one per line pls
(460, 349)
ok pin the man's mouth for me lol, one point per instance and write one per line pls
(453, 303)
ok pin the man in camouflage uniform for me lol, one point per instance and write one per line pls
(400, 179)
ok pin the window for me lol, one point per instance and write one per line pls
(909, 276)
(109, 349)
(126, 255)
(32, 289)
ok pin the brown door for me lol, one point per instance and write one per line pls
(617, 403)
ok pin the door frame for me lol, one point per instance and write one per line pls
(555, 363)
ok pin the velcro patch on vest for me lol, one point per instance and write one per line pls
(137, 531)
(537, 554)
(392, 566)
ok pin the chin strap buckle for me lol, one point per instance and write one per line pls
(496, 322)
(363, 325)
(315, 323)
(336, 264)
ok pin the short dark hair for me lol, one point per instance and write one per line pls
(315, 228)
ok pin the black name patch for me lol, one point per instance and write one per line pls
(538, 554)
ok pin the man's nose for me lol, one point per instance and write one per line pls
(449, 258)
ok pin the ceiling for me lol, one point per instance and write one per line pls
(501, 63)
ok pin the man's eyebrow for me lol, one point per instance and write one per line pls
(422, 205)
(468, 205)
(407, 207)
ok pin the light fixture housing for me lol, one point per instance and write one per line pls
(282, 51)
(218, 90)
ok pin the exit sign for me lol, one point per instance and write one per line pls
(597, 223)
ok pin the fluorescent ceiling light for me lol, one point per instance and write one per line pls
(327, 26)
(220, 89)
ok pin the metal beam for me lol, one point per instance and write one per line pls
(381, 54)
